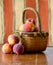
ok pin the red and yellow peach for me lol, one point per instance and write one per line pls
(13, 39)
(31, 20)
(29, 27)
(6, 48)
(36, 29)
(21, 28)
(18, 48)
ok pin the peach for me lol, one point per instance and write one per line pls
(31, 20)
(29, 27)
(13, 39)
(18, 48)
(36, 29)
(21, 28)
(6, 48)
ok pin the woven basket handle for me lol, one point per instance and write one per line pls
(35, 11)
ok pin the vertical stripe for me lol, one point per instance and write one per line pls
(1, 22)
(43, 11)
(8, 18)
(18, 9)
(37, 9)
(51, 20)
(30, 3)
(37, 5)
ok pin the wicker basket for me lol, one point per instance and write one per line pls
(34, 41)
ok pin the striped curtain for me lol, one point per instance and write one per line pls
(11, 15)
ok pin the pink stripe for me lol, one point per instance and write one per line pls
(43, 11)
(8, 18)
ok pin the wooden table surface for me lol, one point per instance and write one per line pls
(45, 58)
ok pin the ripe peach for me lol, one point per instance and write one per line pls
(36, 29)
(18, 48)
(6, 48)
(29, 27)
(21, 28)
(13, 39)
(31, 20)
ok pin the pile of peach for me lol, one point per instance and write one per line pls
(13, 45)
(29, 26)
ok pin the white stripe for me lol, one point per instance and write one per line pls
(37, 5)
(1, 22)
(51, 20)
(24, 8)
(37, 8)
(18, 8)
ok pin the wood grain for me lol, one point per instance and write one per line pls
(45, 58)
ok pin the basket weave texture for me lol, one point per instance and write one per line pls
(34, 41)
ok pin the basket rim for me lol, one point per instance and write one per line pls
(31, 32)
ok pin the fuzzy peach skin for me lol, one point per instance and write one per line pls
(18, 49)
(21, 28)
(36, 29)
(29, 27)
(13, 39)
(6, 48)
(31, 20)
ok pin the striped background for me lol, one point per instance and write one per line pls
(11, 16)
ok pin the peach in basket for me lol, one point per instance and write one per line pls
(34, 40)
